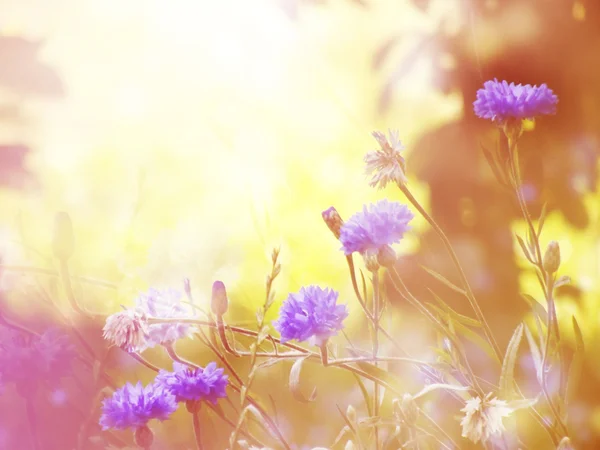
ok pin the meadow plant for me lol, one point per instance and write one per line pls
(312, 318)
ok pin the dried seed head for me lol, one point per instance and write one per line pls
(219, 302)
(333, 220)
(143, 437)
(551, 261)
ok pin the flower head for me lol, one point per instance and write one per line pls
(483, 418)
(192, 384)
(128, 329)
(376, 226)
(133, 406)
(386, 165)
(500, 101)
(164, 303)
(311, 314)
(25, 359)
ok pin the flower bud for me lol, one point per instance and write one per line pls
(63, 240)
(143, 437)
(386, 256)
(551, 261)
(333, 220)
(219, 302)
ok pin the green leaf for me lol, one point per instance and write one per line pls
(435, 386)
(465, 320)
(576, 364)
(524, 248)
(364, 392)
(507, 375)
(542, 218)
(562, 281)
(536, 307)
(295, 383)
(444, 280)
(535, 354)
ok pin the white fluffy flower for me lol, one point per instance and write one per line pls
(127, 329)
(483, 418)
(386, 165)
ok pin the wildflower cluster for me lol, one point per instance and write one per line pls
(309, 319)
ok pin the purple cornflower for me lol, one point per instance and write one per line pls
(133, 406)
(376, 226)
(500, 101)
(26, 359)
(164, 303)
(311, 314)
(194, 384)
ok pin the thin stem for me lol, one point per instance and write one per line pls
(197, 435)
(405, 293)
(546, 280)
(470, 296)
(376, 307)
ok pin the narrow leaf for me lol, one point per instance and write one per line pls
(542, 218)
(295, 383)
(576, 364)
(535, 354)
(435, 386)
(522, 403)
(562, 281)
(494, 166)
(524, 248)
(536, 307)
(444, 280)
(465, 320)
(507, 376)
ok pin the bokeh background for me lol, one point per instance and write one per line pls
(187, 138)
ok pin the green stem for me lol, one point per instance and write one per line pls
(546, 281)
(467, 287)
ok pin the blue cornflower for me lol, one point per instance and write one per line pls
(311, 314)
(194, 384)
(133, 406)
(375, 227)
(500, 101)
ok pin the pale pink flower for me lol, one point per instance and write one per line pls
(127, 329)
(483, 418)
